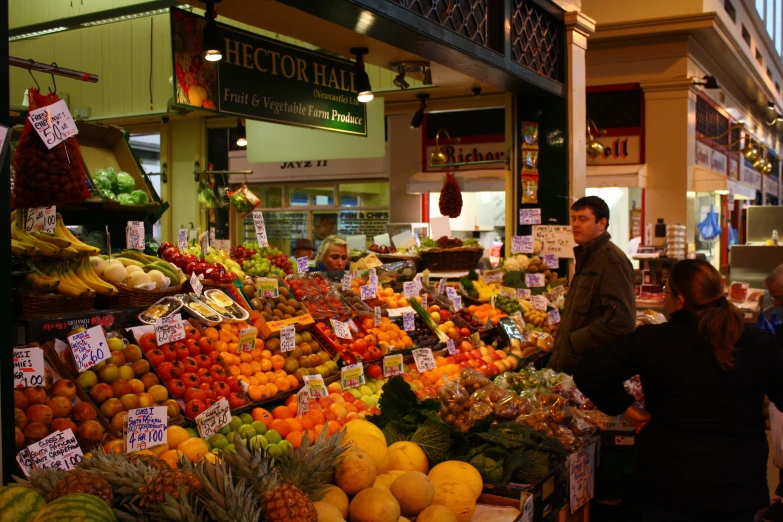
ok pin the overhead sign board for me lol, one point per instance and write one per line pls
(618, 150)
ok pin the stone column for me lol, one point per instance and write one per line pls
(403, 158)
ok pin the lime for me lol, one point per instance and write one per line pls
(286, 447)
(246, 418)
(246, 431)
(225, 430)
(192, 432)
(274, 450)
(259, 426)
(259, 441)
(273, 437)
(235, 423)
(230, 449)
(218, 441)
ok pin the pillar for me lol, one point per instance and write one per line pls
(403, 157)
(187, 146)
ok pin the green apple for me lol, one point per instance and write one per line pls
(286, 446)
(246, 418)
(246, 431)
(365, 390)
(259, 426)
(218, 441)
(355, 392)
(273, 437)
(235, 423)
(225, 430)
(258, 441)
(274, 450)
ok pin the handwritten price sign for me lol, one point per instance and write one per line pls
(441, 285)
(302, 401)
(522, 244)
(377, 318)
(59, 450)
(169, 329)
(424, 359)
(451, 347)
(315, 386)
(538, 302)
(553, 316)
(258, 223)
(457, 301)
(523, 293)
(367, 292)
(451, 293)
(373, 278)
(410, 290)
(392, 365)
(134, 235)
(508, 292)
(28, 367)
(352, 376)
(195, 283)
(408, 321)
(41, 219)
(535, 280)
(302, 264)
(551, 260)
(211, 420)
(53, 123)
(530, 216)
(347, 278)
(493, 276)
(89, 348)
(517, 318)
(146, 428)
(341, 329)
(182, 238)
(288, 338)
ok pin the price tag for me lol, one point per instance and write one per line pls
(392, 365)
(347, 278)
(475, 339)
(211, 420)
(731, 197)
(41, 219)
(508, 292)
(535, 280)
(517, 318)
(367, 292)
(377, 316)
(352, 326)
(302, 402)
(59, 450)
(182, 238)
(530, 216)
(450, 345)
(247, 340)
(492, 276)
(522, 244)
(205, 244)
(409, 290)
(267, 287)
(424, 359)
(538, 302)
(28, 367)
(525, 333)
(341, 329)
(60, 347)
(457, 301)
(424, 301)
(288, 338)
(352, 376)
(53, 123)
(25, 462)
(315, 386)
(89, 348)
(451, 293)
(551, 260)
(211, 238)
(417, 281)
(558, 292)
(523, 293)
(169, 329)
(553, 316)
(146, 428)
(408, 322)
(373, 277)
(134, 235)
(258, 223)
(492, 300)
(302, 264)
(195, 283)
(442, 285)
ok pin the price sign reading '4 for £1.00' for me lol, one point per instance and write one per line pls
(169, 329)
(530, 216)
(211, 420)
(89, 348)
(28, 367)
(146, 428)
(59, 450)
(53, 123)
(352, 376)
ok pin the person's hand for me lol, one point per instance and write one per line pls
(637, 417)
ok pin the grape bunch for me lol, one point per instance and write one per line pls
(266, 261)
(449, 242)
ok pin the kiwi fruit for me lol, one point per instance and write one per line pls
(278, 314)
(267, 316)
(284, 292)
(531, 268)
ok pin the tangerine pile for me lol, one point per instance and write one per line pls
(484, 311)
(387, 336)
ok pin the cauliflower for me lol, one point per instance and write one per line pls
(511, 265)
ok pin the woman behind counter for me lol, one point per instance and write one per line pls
(701, 451)
(333, 255)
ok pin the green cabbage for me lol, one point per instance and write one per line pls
(125, 199)
(125, 183)
(108, 194)
(140, 197)
(102, 181)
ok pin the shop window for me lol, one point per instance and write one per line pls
(270, 196)
(311, 196)
(710, 122)
(615, 108)
(355, 195)
(745, 35)
(729, 7)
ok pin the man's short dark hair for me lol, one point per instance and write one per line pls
(597, 205)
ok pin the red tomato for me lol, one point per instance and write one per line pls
(193, 347)
(176, 388)
(209, 402)
(204, 376)
(207, 388)
(192, 333)
(236, 401)
(190, 364)
(156, 357)
(203, 361)
(207, 345)
(375, 353)
(195, 394)
(180, 349)
(168, 352)
(190, 379)
(221, 389)
(359, 346)
(233, 384)
(165, 370)
(218, 372)
(177, 368)
(194, 408)
(215, 358)
(148, 342)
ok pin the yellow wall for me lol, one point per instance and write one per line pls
(188, 145)
(607, 11)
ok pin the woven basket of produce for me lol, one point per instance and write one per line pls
(129, 297)
(393, 258)
(442, 259)
(33, 305)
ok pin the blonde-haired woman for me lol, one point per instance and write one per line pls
(333, 255)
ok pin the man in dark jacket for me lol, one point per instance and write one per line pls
(600, 305)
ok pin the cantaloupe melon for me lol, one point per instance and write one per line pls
(363, 426)
(328, 513)
(374, 505)
(436, 513)
(373, 446)
(356, 471)
(408, 456)
(413, 491)
(459, 471)
(335, 496)
(385, 480)
(456, 496)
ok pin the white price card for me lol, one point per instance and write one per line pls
(377, 316)
(557, 292)
(523, 293)
(211, 233)
(28, 367)
(451, 293)
(424, 301)
(517, 318)
(551, 260)
(522, 244)
(211, 420)
(288, 338)
(352, 376)
(169, 328)
(492, 276)
(538, 302)
(535, 280)
(182, 238)
(507, 291)
(53, 123)
(258, 223)
(41, 219)
(367, 292)
(530, 216)
(553, 316)
(302, 264)
(581, 470)
(424, 359)
(134, 235)
(341, 329)
(451, 347)
(442, 285)
(60, 347)
(392, 365)
(492, 300)
(59, 450)
(347, 278)
(409, 290)
(247, 339)
(302, 402)
(555, 239)
(146, 428)
(408, 321)
(25, 461)
(195, 283)
(352, 325)
(457, 301)
(373, 277)
(89, 348)
(315, 386)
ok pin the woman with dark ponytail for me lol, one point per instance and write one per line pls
(701, 450)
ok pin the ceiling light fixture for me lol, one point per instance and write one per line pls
(34, 34)
(124, 18)
(241, 134)
(437, 157)
(411, 67)
(211, 39)
(710, 82)
(418, 116)
(399, 80)
(363, 88)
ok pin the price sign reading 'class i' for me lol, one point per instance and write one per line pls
(442, 285)
(28, 367)
(493, 276)
(551, 260)
(258, 223)
(367, 292)
(352, 376)
(508, 292)
(41, 219)
(424, 359)
(377, 318)
(288, 338)
(408, 321)
(535, 280)
(392, 365)
(59, 450)
(554, 316)
(302, 264)
(89, 348)
(146, 428)
(530, 216)
(195, 283)
(457, 301)
(450, 345)
(523, 293)
(182, 238)
(53, 123)
(347, 278)
(522, 245)
(169, 329)
(538, 302)
(134, 235)
(409, 290)
(247, 339)
(302, 401)
(341, 329)
(211, 420)
(315, 386)
(267, 287)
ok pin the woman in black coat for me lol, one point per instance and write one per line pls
(701, 451)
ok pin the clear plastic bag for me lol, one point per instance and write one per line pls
(473, 380)
(512, 406)
(490, 395)
(556, 405)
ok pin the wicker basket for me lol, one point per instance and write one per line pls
(441, 259)
(135, 298)
(393, 258)
(53, 304)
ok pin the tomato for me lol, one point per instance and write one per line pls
(194, 408)
(359, 346)
(221, 389)
(165, 370)
(168, 352)
(203, 361)
(190, 379)
(195, 394)
(190, 364)
(148, 342)
(216, 358)
(177, 368)
(207, 388)
(218, 372)
(375, 353)
(176, 388)
(204, 376)
(193, 347)
(236, 401)
(192, 333)
(156, 357)
(209, 402)
(180, 349)
(207, 345)
(233, 384)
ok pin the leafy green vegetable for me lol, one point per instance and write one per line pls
(472, 275)
(125, 199)
(125, 183)
(394, 433)
(102, 182)
(434, 438)
(108, 194)
(140, 197)
(514, 279)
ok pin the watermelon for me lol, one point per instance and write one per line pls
(77, 507)
(19, 504)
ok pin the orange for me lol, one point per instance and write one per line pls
(171, 457)
(368, 322)
(266, 365)
(255, 393)
(246, 369)
(278, 362)
(234, 369)
(295, 438)
(280, 373)
(266, 354)
(211, 333)
(194, 448)
(293, 381)
(281, 426)
(272, 389)
(233, 346)
(252, 380)
(225, 335)
(294, 424)
(282, 384)
(176, 435)
(282, 412)
(256, 354)
(317, 416)
(256, 366)
(245, 357)
(306, 422)
(293, 406)
(260, 414)
(334, 426)
(262, 379)
(221, 346)
(271, 376)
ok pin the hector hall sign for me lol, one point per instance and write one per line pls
(264, 79)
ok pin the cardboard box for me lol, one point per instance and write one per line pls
(268, 329)
(608, 423)
(44, 329)
(548, 495)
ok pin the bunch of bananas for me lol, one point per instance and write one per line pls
(73, 278)
(61, 243)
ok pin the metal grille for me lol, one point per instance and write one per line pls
(536, 39)
(465, 17)
(710, 122)
(613, 109)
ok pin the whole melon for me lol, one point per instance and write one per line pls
(403, 519)
(76, 507)
(385, 480)
(413, 491)
(373, 446)
(456, 496)
(19, 504)
(374, 505)
(436, 513)
(356, 472)
(328, 513)
(459, 471)
(408, 456)
(366, 427)
(335, 496)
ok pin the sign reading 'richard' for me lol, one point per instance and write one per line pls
(264, 79)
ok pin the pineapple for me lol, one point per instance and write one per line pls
(225, 499)
(172, 482)
(43, 481)
(78, 481)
